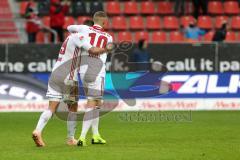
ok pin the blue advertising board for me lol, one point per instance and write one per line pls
(181, 85)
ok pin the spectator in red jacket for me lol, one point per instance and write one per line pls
(32, 25)
(57, 14)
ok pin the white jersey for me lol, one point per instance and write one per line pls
(66, 66)
(97, 38)
(70, 52)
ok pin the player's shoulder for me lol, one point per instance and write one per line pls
(78, 35)
(83, 26)
(108, 35)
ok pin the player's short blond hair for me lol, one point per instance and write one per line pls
(99, 15)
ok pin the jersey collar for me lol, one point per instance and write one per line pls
(97, 27)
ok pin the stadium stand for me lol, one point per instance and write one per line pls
(8, 30)
(78, 8)
(153, 23)
(130, 7)
(95, 6)
(176, 36)
(68, 21)
(205, 22)
(235, 24)
(170, 23)
(165, 8)
(231, 36)
(141, 35)
(119, 23)
(136, 23)
(231, 7)
(215, 7)
(124, 36)
(185, 20)
(113, 8)
(147, 7)
(208, 36)
(132, 17)
(159, 37)
(219, 21)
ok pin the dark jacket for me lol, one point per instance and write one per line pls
(219, 35)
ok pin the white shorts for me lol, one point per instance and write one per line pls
(54, 94)
(93, 86)
(57, 88)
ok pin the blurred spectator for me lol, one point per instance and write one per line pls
(179, 7)
(33, 22)
(220, 34)
(141, 56)
(57, 14)
(198, 6)
(193, 32)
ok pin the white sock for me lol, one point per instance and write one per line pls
(95, 121)
(71, 124)
(45, 116)
(87, 122)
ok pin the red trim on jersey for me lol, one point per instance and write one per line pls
(97, 27)
(80, 59)
(73, 65)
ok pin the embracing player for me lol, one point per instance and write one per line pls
(64, 76)
(92, 73)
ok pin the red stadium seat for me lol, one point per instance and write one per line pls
(46, 21)
(185, 20)
(43, 37)
(165, 7)
(205, 22)
(170, 22)
(23, 6)
(141, 35)
(68, 20)
(119, 23)
(136, 22)
(125, 36)
(130, 7)
(147, 7)
(231, 7)
(215, 7)
(159, 37)
(176, 36)
(153, 22)
(208, 36)
(235, 24)
(82, 19)
(231, 37)
(40, 37)
(113, 8)
(219, 21)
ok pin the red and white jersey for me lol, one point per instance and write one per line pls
(70, 52)
(97, 38)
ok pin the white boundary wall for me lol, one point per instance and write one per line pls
(141, 104)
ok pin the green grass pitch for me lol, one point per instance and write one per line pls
(210, 135)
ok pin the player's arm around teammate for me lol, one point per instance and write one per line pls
(55, 91)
